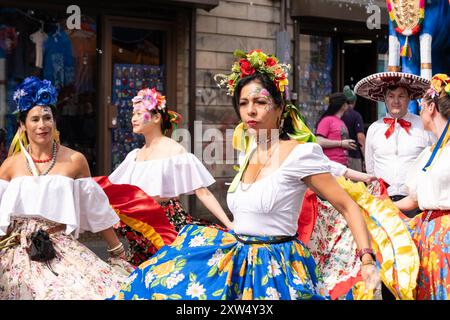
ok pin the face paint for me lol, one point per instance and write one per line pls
(46, 110)
(259, 93)
(145, 118)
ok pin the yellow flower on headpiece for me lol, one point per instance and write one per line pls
(447, 89)
(282, 84)
(440, 81)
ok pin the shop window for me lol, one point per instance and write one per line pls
(36, 43)
(316, 63)
(137, 63)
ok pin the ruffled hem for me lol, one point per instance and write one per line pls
(78, 203)
(167, 178)
(396, 252)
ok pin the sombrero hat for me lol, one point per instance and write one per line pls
(374, 86)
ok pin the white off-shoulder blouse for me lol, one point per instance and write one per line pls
(80, 204)
(271, 205)
(431, 189)
(166, 178)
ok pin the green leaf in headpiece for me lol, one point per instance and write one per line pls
(239, 53)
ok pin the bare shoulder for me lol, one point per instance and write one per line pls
(7, 167)
(174, 147)
(76, 160)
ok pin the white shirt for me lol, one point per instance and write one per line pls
(271, 205)
(167, 178)
(39, 38)
(431, 188)
(336, 169)
(80, 204)
(390, 158)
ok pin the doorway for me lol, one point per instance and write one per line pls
(360, 60)
(136, 54)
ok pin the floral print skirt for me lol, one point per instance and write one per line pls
(140, 248)
(334, 250)
(430, 231)
(75, 273)
(205, 263)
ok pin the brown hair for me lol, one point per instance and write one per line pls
(442, 102)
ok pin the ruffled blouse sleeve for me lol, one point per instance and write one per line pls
(95, 213)
(3, 185)
(123, 172)
(305, 160)
(183, 174)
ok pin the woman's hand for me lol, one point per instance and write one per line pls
(370, 276)
(368, 178)
(349, 144)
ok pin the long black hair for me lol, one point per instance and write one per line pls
(336, 102)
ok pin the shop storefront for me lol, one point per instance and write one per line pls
(334, 47)
(97, 67)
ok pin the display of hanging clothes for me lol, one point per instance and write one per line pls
(58, 59)
(39, 38)
(22, 58)
(8, 38)
(84, 44)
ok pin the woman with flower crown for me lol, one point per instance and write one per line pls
(262, 257)
(47, 199)
(429, 189)
(158, 173)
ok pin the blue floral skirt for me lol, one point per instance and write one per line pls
(205, 263)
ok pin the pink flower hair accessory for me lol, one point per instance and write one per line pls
(150, 99)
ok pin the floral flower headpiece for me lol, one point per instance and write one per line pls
(34, 92)
(150, 99)
(439, 82)
(248, 64)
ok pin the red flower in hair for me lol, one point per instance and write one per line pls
(270, 62)
(246, 68)
(256, 50)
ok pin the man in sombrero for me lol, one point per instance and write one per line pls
(394, 141)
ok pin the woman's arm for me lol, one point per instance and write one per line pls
(115, 247)
(211, 203)
(5, 168)
(406, 204)
(327, 143)
(359, 176)
(327, 187)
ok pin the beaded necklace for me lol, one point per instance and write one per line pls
(31, 166)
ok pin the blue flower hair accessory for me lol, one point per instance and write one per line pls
(34, 92)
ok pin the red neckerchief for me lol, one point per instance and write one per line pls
(391, 122)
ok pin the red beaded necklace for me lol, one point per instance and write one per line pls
(43, 160)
